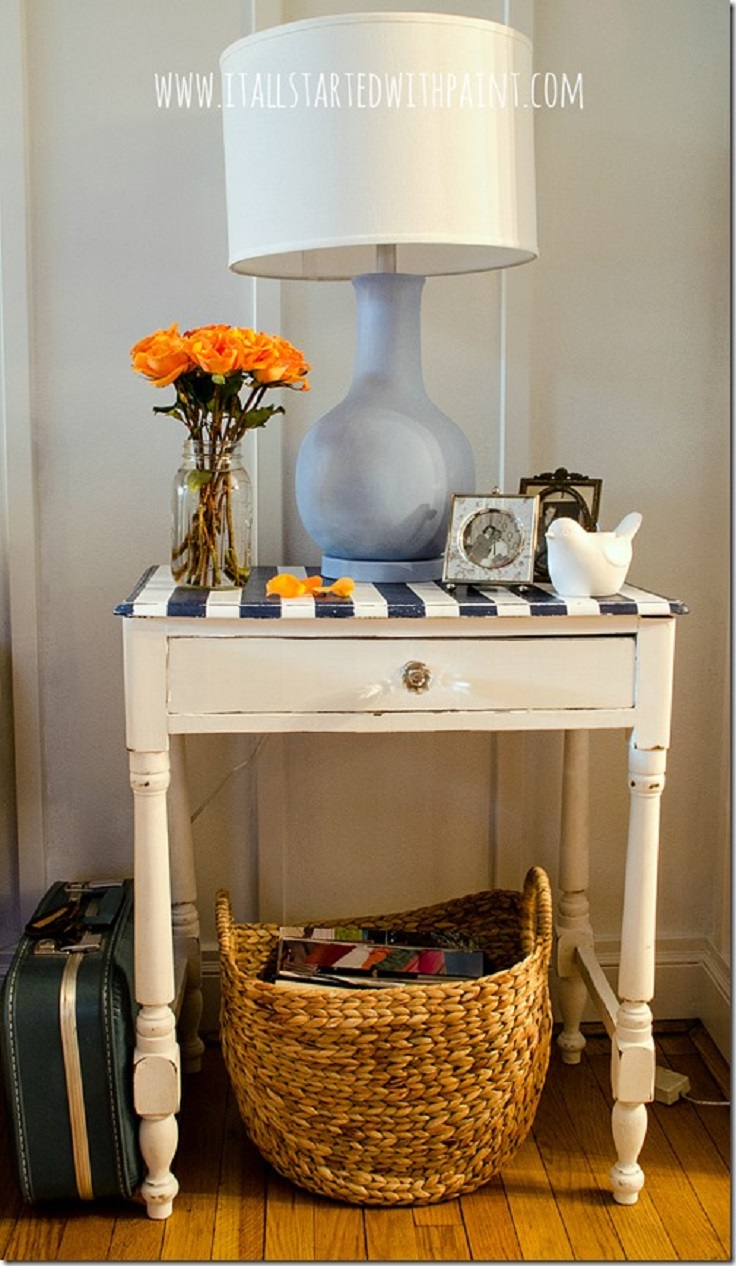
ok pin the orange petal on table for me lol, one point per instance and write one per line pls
(343, 587)
(286, 586)
(312, 584)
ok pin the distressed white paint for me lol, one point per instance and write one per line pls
(335, 676)
(184, 912)
(220, 662)
(156, 1059)
(573, 919)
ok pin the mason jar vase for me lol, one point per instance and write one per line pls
(212, 517)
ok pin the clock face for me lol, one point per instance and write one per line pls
(492, 538)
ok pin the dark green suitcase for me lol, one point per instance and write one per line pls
(66, 1042)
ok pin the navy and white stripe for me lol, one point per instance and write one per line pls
(156, 594)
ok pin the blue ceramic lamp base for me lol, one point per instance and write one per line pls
(401, 573)
(375, 476)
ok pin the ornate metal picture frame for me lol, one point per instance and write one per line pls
(491, 539)
(562, 493)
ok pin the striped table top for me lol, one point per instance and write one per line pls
(157, 595)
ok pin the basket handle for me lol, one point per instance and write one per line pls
(536, 913)
(224, 921)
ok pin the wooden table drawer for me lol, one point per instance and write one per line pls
(209, 676)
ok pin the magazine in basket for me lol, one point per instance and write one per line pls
(352, 957)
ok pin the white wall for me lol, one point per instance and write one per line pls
(630, 380)
(617, 362)
(126, 232)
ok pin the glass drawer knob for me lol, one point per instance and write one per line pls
(416, 676)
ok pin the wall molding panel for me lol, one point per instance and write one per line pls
(19, 569)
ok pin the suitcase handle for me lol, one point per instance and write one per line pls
(61, 921)
(83, 907)
(102, 911)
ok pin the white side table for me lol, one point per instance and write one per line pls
(395, 658)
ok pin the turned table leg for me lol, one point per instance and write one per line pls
(156, 1059)
(184, 914)
(573, 918)
(633, 1057)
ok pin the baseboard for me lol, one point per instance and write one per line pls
(715, 1001)
(693, 982)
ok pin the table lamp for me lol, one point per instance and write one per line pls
(380, 148)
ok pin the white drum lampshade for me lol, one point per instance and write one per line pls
(385, 148)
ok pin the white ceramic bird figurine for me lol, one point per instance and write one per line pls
(589, 564)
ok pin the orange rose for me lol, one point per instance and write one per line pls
(289, 364)
(161, 356)
(214, 348)
(271, 359)
(219, 350)
(294, 368)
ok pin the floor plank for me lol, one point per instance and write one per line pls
(442, 1243)
(190, 1238)
(528, 1191)
(392, 1236)
(136, 1237)
(339, 1232)
(712, 1058)
(88, 1240)
(489, 1225)
(714, 1112)
(583, 1206)
(36, 1238)
(240, 1211)
(447, 1213)
(441, 1232)
(289, 1222)
(701, 1161)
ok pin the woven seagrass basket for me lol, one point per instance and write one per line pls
(405, 1095)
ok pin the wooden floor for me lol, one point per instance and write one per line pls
(550, 1204)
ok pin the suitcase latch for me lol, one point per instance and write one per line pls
(89, 943)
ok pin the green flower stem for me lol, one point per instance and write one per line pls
(200, 548)
(215, 420)
(229, 511)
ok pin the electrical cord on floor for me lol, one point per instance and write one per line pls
(708, 1103)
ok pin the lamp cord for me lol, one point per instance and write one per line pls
(708, 1103)
(243, 764)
